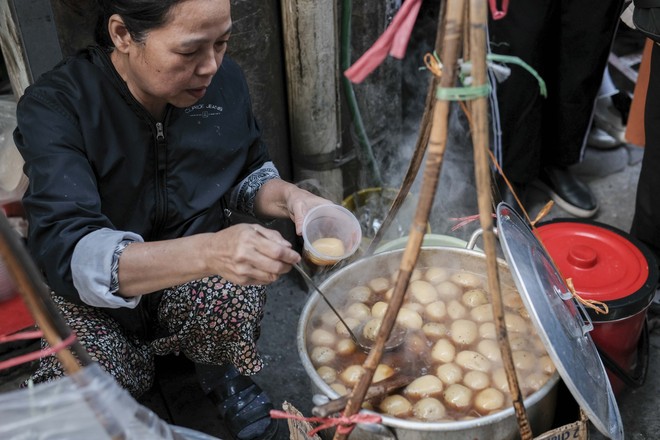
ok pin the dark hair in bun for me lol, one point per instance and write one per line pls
(140, 16)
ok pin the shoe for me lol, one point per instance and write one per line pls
(599, 138)
(567, 191)
(243, 405)
(609, 119)
(502, 193)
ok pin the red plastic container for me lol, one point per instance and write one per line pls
(608, 265)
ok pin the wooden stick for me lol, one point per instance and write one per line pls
(377, 390)
(479, 110)
(36, 296)
(437, 145)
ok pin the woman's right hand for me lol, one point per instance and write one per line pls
(249, 254)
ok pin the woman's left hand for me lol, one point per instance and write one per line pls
(277, 198)
(300, 205)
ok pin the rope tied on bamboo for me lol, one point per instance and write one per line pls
(462, 93)
(466, 92)
(509, 59)
(29, 357)
(434, 65)
(344, 424)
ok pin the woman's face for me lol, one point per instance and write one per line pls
(176, 62)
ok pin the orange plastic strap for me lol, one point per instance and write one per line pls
(393, 41)
(344, 424)
(433, 64)
(599, 307)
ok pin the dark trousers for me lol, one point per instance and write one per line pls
(567, 42)
(646, 221)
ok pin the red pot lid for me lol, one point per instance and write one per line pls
(603, 264)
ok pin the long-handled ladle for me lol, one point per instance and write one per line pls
(396, 338)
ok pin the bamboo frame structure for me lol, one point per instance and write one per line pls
(452, 31)
(479, 127)
(453, 24)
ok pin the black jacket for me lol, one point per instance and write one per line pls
(96, 158)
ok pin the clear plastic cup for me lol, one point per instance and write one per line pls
(331, 233)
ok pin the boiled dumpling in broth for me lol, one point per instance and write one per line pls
(450, 351)
(330, 246)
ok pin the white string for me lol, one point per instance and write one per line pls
(494, 110)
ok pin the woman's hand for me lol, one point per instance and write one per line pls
(277, 198)
(249, 254)
(300, 203)
(242, 254)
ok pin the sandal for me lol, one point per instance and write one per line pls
(242, 404)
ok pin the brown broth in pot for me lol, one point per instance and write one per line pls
(450, 337)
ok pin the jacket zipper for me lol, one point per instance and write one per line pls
(161, 161)
(160, 147)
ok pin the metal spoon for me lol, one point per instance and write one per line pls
(397, 335)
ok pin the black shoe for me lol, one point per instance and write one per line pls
(502, 193)
(242, 404)
(571, 194)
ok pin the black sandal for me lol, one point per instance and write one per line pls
(242, 404)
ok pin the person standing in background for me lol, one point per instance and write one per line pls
(646, 218)
(567, 42)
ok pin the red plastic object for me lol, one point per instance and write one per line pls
(498, 14)
(13, 209)
(393, 41)
(608, 265)
(14, 316)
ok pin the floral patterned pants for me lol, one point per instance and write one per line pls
(210, 321)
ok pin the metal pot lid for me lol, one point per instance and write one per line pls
(562, 323)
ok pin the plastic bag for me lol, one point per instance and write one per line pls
(86, 405)
(13, 182)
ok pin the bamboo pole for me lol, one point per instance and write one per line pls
(437, 145)
(375, 391)
(310, 48)
(479, 112)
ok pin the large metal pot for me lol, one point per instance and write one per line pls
(503, 425)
